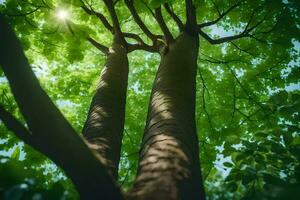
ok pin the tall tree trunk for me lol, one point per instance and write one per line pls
(169, 165)
(51, 133)
(104, 126)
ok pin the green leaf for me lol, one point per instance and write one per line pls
(280, 98)
(16, 153)
(247, 178)
(157, 3)
(296, 141)
(232, 186)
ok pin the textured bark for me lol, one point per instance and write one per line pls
(51, 132)
(104, 126)
(169, 165)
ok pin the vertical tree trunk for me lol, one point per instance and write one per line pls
(51, 134)
(169, 165)
(104, 126)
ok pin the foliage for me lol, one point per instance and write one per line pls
(248, 95)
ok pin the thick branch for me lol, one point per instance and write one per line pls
(100, 16)
(16, 127)
(145, 47)
(116, 25)
(99, 46)
(174, 16)
(138, 20)
(191, 21)
(141, 44)
(134, 36)
(108, 26)
(159, 18)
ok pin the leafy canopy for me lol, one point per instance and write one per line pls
(248, 95)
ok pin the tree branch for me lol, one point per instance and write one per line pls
(99, 46)
(277, 64)
(145, 47)
(174, 16)
(233, 103)
(159, 18)
(115, 2)
(134, 36)
(248, 117)
(116, 25)
(101, 17)
(223, 39)
(245, 33)
(107, 25)
(251, 95)
(191, 21)
(148, 8)
(138, 20)
(205, 109)
(243, 50)
(221, 15)
(141, 44)
(16, 127)
(24, 14)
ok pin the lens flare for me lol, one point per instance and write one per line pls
(62, 14)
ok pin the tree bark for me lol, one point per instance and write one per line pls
(104, 126)
(169, 166)
(51, 133)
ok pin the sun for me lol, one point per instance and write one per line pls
(62, 14)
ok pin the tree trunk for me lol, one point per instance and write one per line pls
(104, 126)
(51, 133)
(169, 166)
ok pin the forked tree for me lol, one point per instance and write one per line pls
(169, 166)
